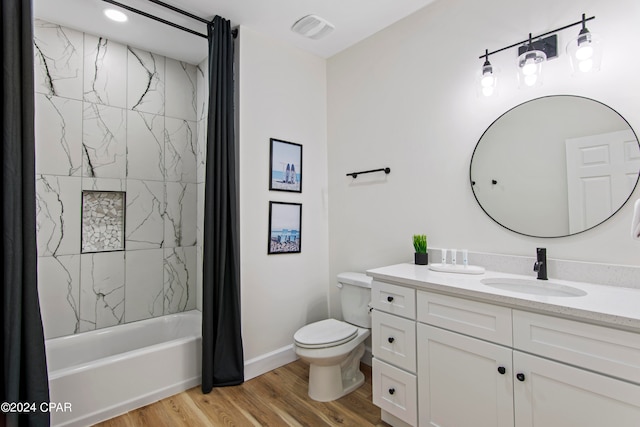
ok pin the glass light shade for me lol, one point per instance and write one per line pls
(530, 68)
(487, 80)
(585, 52)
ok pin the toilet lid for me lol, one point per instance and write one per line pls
(325, 333)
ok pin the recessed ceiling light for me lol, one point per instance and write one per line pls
(115, 15)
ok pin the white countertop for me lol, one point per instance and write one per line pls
(606, 305)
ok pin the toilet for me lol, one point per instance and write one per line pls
(333, 348)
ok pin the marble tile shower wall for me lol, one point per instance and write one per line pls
(111, 117)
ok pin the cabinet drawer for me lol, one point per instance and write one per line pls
(393, 299)
(394, 340)
(597, 348)
(480, 320)
(395, 391)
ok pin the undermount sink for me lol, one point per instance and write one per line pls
(534, 287)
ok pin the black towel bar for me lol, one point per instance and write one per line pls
(355, 174)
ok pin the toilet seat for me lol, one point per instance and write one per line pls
(325, 333)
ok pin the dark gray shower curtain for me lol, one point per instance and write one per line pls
(222, 353)
(24, 368)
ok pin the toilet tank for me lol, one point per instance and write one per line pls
(355, 296)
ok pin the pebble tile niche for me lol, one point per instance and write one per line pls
(102, 221)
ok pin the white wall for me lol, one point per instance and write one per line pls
(406, 98)
(282, 95)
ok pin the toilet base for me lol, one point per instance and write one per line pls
(327, 383)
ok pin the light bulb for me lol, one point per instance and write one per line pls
(487, 80)
(584, 52)
(529, 67)
(487, 91)
(530, 79)
(586, 65)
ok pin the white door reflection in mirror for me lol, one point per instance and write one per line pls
(602, 170)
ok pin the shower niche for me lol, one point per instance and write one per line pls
(103, 219)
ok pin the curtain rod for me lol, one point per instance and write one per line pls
(234, 32)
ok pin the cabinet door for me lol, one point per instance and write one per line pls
(463, 381)
(549, 393)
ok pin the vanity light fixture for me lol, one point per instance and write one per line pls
(584, 51)
(115, 15)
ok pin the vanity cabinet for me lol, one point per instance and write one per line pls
(482, 365)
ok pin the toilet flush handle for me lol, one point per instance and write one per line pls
(339, 285)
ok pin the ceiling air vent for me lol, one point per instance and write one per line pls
(312, 26)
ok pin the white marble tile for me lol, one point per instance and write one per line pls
(180, 90)
(59, 294)
(101, 290)
(180, 215)
(58, 60)
(145, 81)
(145, 146)
(180, 150)
(104, 184)
(201, 155)
(179, 279)
(145, 211)
(104, 141)
(202, 89)
(144, 293)
(105, 71)
(58, 201)
(58, 133)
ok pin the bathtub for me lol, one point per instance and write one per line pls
(107, 372)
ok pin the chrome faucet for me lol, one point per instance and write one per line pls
(541, 264)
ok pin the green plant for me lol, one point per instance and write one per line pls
(420, 243)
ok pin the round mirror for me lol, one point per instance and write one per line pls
(555, 166)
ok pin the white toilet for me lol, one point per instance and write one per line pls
(333, 348)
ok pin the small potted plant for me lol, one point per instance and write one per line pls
(420, 245)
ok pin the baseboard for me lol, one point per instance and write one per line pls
(269, 361)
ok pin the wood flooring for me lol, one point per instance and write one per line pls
(277, 398)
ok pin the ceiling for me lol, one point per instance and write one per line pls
(354, 20)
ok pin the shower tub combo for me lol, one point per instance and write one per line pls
(107, 372)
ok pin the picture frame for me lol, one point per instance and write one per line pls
(285, 166)
(285, 228)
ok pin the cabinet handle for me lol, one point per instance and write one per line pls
(520, 376)
(392, 390)
(391, 340)
(390, 298)
(502, 370)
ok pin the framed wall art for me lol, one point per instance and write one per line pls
(285, 166)
(285, 223)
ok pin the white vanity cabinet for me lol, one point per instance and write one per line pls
(479, 364)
